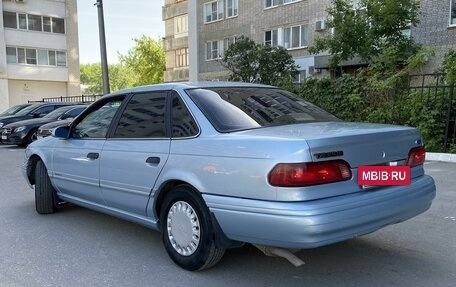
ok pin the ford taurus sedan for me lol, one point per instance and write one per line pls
(216, 165)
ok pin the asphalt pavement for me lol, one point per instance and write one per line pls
(79, 247)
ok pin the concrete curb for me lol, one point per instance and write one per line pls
(445, 157)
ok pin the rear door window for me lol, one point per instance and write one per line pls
(143, 117)
(183, 125)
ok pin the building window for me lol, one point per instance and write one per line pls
(9, 20)
(11, 56)
(295, 37)
(299, 77)
(271, 38)
(274, 3)
(20, 55)
(182, 58)
(58, 25)
(47, 24)
(52, 61)
(290, 1)
(227, 42)
(213, 11)
(32, 56)
(22, 21)
(231, 8)
(181, 26)
(213, 50)
(43, 57)
(453, 12)
(61, 59)
(33, 22)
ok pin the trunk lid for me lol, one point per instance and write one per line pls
(356, 143)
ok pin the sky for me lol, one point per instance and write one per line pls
(124, 20)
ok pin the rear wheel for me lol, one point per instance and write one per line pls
(187, 230)
(44, 191)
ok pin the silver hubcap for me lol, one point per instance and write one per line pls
(183, 228)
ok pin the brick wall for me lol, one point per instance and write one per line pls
(435, 31)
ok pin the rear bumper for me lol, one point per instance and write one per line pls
(320, 222)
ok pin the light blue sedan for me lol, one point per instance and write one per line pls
(214, 165)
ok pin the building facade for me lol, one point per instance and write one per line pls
(294, 24)
(437, 29)
(175, 16)
(38, 50)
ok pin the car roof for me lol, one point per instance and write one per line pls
(189, 85)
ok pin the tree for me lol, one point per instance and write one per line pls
(256, 63)
(120, 77)
(146, 60)
(369, 29)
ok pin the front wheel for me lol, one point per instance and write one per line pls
(44, 191)
(187, 230)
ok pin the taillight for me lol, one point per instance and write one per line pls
(416, 156)
(310, 173)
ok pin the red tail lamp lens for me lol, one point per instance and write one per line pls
(416, 156)
(311, 173)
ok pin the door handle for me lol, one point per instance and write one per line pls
(93, 155)
(153, 160)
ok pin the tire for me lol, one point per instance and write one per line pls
(44, 192)
(187, 230)
(31, 137)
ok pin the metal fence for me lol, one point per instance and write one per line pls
(73, 99)
(433, 91)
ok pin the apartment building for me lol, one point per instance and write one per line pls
(437, 29)
(214, 24)
(38, 50)
(194, 49)
(175, 16)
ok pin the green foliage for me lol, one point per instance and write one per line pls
(428, 113)
(449, 66)
(352, 98)
(368, 30)
(146, 60)
(256, 63)
(120, 77)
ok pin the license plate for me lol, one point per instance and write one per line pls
(383, 175)
(4, 137)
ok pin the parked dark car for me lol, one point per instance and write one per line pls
(24, 132)
(31, 112)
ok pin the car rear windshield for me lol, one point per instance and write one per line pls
(239, 108)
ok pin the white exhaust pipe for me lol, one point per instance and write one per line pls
(280, 252)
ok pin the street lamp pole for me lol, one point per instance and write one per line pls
(104, 58)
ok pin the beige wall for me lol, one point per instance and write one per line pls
(22, 91)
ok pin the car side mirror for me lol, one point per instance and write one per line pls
(61, 132)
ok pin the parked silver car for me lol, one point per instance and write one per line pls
(215, 165)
